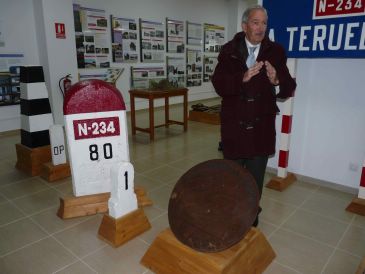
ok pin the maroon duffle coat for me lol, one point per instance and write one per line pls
(249, 109)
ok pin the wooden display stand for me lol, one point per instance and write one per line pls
(205, 117)
(151, 95)
(118, 231)
(31, 160)
(357, 206)
(280, 184)
(71, 207)
(53, 173)
(361, 268)
(167, 255)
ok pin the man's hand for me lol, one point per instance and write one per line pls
(251, 72)
(271, 73)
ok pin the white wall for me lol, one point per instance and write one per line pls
(328, 130)
(57, 56)
(17, 19)
(329, 120)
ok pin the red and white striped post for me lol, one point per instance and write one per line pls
(283, 178)
(358, 204)
(362, 183)
(286, 124)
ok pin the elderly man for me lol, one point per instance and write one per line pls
(249, 67)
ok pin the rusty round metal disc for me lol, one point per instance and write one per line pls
(213, 205)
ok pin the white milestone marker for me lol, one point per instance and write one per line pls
(97, 136)
(57, 145)
(122, 200)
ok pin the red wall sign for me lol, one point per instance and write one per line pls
(60, 30)
(338, 8)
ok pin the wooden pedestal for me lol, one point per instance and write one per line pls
(205, 117)
(53, 173)
(361, 268)
(280, 184)
(167, 255)
(31, 160)
(72, 206)
(357, 206)
(142, 198)
(118, 231)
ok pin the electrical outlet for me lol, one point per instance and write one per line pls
(353, 167)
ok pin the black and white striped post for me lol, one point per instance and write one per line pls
(36, 118)
(36, 114)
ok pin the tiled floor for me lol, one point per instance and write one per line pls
(306, 225)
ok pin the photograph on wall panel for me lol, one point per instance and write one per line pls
(209, 65)
(175, 36)
(152, 37)
(193, 68)
(194, 34)
(176, 71)
(92, 46)
(142, 76)
(124, 40)
(214, 38)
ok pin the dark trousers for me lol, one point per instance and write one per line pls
(256, 166)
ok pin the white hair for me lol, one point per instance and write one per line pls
(247, 12)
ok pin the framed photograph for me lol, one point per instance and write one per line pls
(92, 45)
(124, 40)
(194, 34)
(214, 38)
(176, 71)
(141, 76)
(175, 36)
(194, 68)
(209, 64)
(152, 37)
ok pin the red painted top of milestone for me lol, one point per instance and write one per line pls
(92, 96)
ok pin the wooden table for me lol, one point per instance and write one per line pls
(151, 95)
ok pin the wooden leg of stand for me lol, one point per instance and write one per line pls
(280, 184)
(357, 206)
(167, 255)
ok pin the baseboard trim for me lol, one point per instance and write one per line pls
(319, 182)
(10, 133)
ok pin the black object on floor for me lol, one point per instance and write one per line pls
(220, 146)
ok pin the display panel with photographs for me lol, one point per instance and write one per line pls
(214, 37)
(175, 36)
(152, 41)
(109, 75)
(124, 40)
(176, 71)
(142, 76)
(10, 78)
(209, 65)
(92, 45)
(194, 34)
(194, 67)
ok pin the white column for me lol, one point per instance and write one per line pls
(57, 55)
